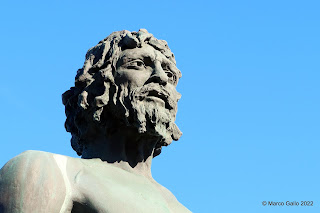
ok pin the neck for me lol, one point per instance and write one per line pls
(124, 148)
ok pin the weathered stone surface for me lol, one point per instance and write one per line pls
(120, 113)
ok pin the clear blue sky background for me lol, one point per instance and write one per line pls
(250, 107)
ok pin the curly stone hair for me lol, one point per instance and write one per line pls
(95, 88)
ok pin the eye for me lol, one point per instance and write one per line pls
(171, 76)
(136, 64)
(139, 63)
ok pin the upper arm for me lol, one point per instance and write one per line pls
(31, 182)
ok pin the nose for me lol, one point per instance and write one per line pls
(158, 75)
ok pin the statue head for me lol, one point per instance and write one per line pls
(128, 79)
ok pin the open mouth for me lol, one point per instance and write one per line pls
(158, 97)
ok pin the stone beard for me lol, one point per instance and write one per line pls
(151, 116)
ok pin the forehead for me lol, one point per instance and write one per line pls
(146, 51)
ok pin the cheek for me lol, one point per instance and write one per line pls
(173, 91)
(132, 77)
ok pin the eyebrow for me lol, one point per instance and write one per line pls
(152, 57)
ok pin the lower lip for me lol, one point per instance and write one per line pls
(156, 99)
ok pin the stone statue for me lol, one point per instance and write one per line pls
(120, 114)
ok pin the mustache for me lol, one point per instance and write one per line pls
(155, 90)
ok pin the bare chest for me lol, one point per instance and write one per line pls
(120, 192)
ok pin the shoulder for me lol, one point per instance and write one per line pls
(30, 181)
(29, 163)
(29, 154)
(26, 162)
(174, 204)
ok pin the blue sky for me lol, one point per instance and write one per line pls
(250, 107)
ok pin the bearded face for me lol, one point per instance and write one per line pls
(128, 79)
(147, 82)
